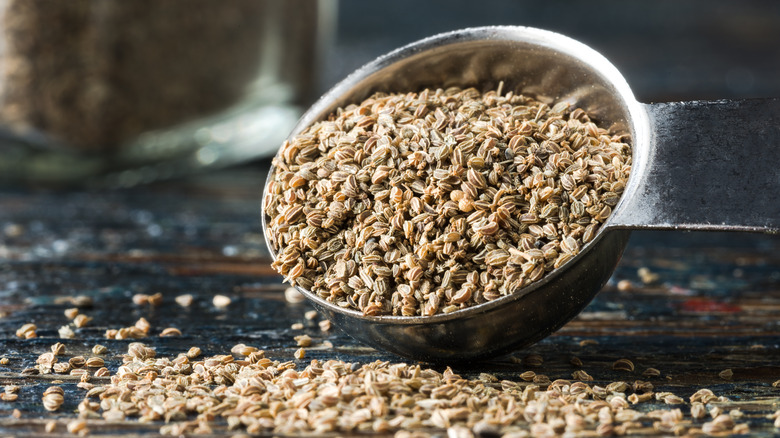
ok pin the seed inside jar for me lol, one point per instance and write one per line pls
(430, 202)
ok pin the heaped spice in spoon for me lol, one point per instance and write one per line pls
(425, 203)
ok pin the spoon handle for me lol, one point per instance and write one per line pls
(710, 166)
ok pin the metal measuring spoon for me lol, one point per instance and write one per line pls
(696, 166)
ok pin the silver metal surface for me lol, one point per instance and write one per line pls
(542, 64)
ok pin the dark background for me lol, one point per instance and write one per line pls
(667, 50)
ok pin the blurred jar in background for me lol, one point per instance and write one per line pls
(122, 92)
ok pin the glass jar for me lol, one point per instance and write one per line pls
(122, 92)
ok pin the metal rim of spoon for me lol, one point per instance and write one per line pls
(703, 165)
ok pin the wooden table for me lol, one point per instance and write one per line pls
(714, 306)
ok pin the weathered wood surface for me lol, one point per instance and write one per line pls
(716, 304)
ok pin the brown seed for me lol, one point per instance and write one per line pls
(52, 400)
(726, 374)
(324, 325)
(4, 361)
(528, 376)
(26, 331)
(193, 352)
(9, 397)
(81, 320)
(140, 299)
(651, 372)
(82, 301)
(66, 332)
(184, 300)
(51, 426)
(586, 342)
(623, 365)
(310, 315)
(140, 351)
(155, 299)
(533, 360)
(61, 367)
(11, 389)
(99, 349)
(624, 285)
(581, 375)
(300, 353)
(576, 361)
(77, 361)
(77, 426)
(303, 340)
(94, 362)
(71, 313)
(143, 325)
(58, 349)
(46, 359)
(698, 411)
(647, 276)
(170, 331)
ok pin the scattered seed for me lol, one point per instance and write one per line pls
(586, 342)
(143, 325)
(310, 315)
(27, 331)
(576, 361)
(99, 349)
(51, 426)
(71, 312)
(651, 372)
(581, 375)
(300, 353)
(297, 326)
(324, 325)
(9, 397)
(647, 276)
(11, 389)
(81, 320)
(528, 376)
(625, 285)
(623, 365)
(94, 362)
(221, 301)
(53, 398)
(184, 300)
(292, 295)
(4, 361)
(533, 360)
(58, 349)
(61, 367)
(77, 426)
(155, 299)
(726, 374)
(672, 399)
(66, 332)
(698, 411)
(303, 340)
(170, 331)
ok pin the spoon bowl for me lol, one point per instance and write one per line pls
(549, 67)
